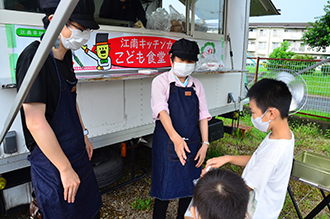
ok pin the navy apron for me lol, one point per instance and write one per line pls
(171, 180)
(45, 177)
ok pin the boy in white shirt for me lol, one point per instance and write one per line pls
(268, 170)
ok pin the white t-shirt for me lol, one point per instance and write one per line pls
(268, 173)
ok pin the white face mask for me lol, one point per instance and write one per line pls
(259, 124)
(76, 40)
(183, 69)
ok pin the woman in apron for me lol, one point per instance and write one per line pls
(179, 108)
(61, 173)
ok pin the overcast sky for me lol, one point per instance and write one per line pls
(294, 11)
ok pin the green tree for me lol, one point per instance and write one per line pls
(318, 35)
(280, 52)
(304, 56)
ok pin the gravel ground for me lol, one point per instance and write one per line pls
(117, 203)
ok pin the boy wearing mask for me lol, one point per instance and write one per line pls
(180, 111)
(61, 173)
(268, 170)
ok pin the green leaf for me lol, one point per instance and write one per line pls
(317, 36)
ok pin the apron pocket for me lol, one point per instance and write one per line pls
(193, 147)
(82, 167)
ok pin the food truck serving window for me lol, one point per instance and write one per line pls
(22, 5)
(209, 16)
(161, 15)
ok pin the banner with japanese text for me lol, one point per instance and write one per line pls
(121, 51)
(104, 52)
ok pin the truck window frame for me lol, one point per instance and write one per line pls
(209, 36)
(28, 18)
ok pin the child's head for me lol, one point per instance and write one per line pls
(220, 194)
(270, 93)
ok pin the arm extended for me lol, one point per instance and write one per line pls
(179, 144)
(222, 160)
(46, 140)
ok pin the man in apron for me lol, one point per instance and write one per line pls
(179, 108)
(61, 173)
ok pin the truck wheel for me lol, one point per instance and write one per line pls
(107, 165)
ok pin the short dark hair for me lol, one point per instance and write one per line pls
(271, 93)
(221, 194)
(172, 57)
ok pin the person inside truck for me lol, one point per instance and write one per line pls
(127, 10)
(61, 173)
(26, 5)
(180, 112)
(268, 170)
(219, 194)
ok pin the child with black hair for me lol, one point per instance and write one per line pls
(268, 170)
(220, 194)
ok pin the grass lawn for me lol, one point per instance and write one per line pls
(326, 115)
(307, 138)
(253, 69)
(317, 83)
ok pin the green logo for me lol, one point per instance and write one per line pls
(208, 49)
(28, 32)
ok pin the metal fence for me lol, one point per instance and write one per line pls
(317, 80)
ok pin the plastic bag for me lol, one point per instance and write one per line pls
(252, 205)
(150, 7)
(209, 63)
(178, 23)
(159, 20)
(201, 25)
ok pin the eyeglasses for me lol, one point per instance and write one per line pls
(82, 30)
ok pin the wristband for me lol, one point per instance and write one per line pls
(206, 142)
(86, 132)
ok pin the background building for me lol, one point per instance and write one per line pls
(264, 37)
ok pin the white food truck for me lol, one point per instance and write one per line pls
(116, 67)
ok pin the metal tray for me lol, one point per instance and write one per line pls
(312, 167)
